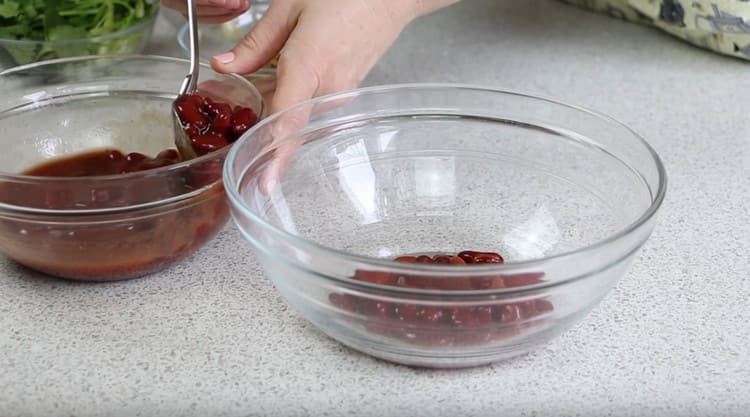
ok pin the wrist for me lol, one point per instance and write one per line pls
(420, 8)
(404, 11)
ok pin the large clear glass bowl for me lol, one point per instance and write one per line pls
(566, 195)
(107, 227)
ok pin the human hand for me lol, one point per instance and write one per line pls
(324, 46)
(211, 11)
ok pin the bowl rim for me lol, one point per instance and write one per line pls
(9, 177)
(657, 198)
(148, 20)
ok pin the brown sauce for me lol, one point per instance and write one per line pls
(102, 247)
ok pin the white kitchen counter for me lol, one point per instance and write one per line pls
(211, 337)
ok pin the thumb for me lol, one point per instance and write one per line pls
(263, 42)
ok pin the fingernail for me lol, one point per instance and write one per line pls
(225, 58)
(267, 186)
(269, 179)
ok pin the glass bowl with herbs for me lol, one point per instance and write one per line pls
(37, 30)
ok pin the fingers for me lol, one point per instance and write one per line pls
(297, 82)
(226, 5)
(261, 44)
(219, 18)
(212, 11)
(266, 86)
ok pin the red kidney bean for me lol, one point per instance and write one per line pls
(214, 109)
(543, 306)
(364, 306)
(472, 257)
(449, 325)
(190, 114)
(210, 106)
(243, 119)
(441, 259)
(522, 280)
(456, 315)
(104, 162)
(169, 155)
(407, 259)
(417, 281)
(383, 309)
(192, 131)
(116, 156)
(208, 142)
(484, 314)
(375, 277)
(135, 157)
(470, 320)
(203, 116)
(194, 100)
(343, 301)
(221, 123)
(510, 312)
(430, 314)
(407, 312)
(456, 260)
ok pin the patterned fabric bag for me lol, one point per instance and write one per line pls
(720, 25)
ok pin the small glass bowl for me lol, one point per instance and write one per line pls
(130, 40)
(106, 227)
(566, 195)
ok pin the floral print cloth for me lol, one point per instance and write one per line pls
(719, 25)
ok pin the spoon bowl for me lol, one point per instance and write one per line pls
(181, 139)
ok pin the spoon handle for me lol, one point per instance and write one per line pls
(190, 82)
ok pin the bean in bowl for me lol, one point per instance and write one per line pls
(91, 187)
(385, 184)
(449, 325)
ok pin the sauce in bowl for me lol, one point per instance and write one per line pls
(113, 245)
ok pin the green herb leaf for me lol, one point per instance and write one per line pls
(8, 10)
(66, 32)
(54, 20)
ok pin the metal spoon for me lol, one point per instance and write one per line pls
(189, 85)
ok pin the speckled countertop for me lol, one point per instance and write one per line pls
(210, 337)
